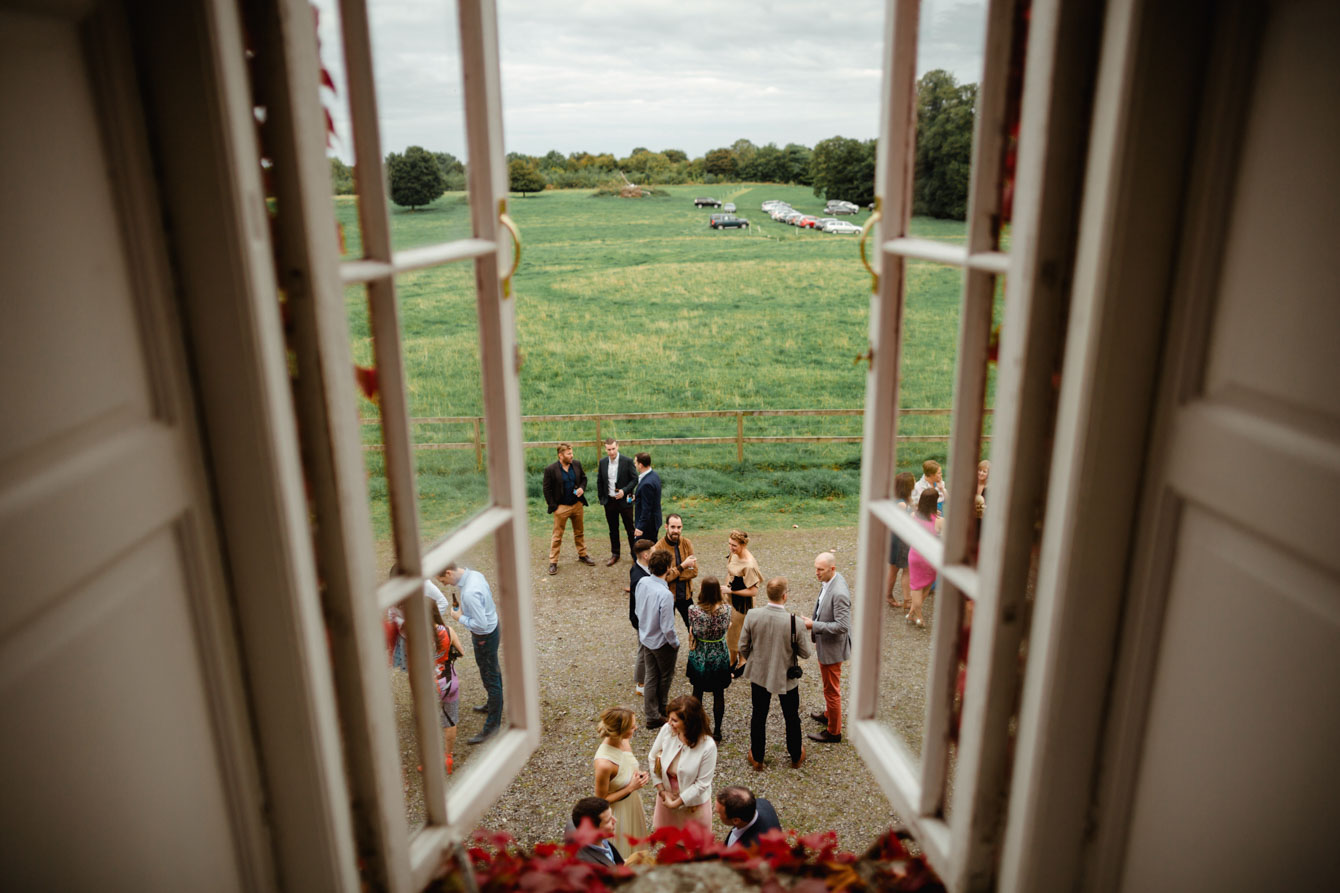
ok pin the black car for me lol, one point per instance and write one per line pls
(707, 202)
(727, 221)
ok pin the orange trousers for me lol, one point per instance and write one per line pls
(832, 677)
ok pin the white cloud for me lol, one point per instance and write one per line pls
(605, 76)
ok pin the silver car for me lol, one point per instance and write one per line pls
(841, 227)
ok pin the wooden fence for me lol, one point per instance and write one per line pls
(477, 444)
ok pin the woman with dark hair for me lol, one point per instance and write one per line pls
(902, 491)
(683, 761)
(920, 572)
(708, 666)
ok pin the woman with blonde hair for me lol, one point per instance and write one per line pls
(744, 579)
(618, 778)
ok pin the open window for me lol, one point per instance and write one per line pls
(1034, 86)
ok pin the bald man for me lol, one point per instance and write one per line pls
(830, 629)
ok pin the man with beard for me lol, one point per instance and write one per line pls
(683, 568)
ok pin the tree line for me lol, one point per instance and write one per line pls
(835, 168)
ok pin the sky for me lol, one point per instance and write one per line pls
(609, 76)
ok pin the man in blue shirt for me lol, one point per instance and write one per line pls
(656, 632)
(478, 614)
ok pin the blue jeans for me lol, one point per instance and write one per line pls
(486, 656)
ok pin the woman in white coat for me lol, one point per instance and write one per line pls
(683, 760)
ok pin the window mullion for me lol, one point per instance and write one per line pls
(894, 769)
(419, 636)
(328, 420)
(375, 229)
(1036, 294)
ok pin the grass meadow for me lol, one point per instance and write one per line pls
(636, 305)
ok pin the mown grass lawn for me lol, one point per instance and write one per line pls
(638, 306)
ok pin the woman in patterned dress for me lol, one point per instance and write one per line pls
(709, 664)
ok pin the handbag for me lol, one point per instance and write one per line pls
(795, 671)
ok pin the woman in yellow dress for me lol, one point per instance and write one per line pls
(618, 778)
(743, 577)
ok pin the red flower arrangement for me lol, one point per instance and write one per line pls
(812, 860)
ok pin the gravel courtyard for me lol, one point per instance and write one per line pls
(585, 647)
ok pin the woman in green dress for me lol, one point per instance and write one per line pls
(619, 779)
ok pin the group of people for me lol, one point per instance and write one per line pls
(472, 605)
(732, 634)
(924, 500)
(682, 762)
(629, 490)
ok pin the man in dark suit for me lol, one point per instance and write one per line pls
(564, 486)
(830, 628)
(746, 816)
(596, 815)
(615, 479)
(648, 500)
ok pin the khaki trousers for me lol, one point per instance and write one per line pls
(561, 516)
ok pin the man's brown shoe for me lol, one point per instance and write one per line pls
(795, 764)
(553, 568)
(820, 717)
(823, 736)
(614, 559)
(586, 559)
(757, 766)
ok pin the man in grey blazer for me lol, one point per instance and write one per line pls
(830, 627)
(766, 644)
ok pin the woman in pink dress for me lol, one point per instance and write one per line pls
(683, 761)
(920, 573)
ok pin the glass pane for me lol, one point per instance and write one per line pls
(481, 688)
(949, 66)
(400, 647)
(905, 651)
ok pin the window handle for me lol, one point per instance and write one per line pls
(865, 234)
(507, 221)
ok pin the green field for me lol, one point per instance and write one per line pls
(636, 305)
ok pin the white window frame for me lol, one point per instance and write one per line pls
(313, 278)
(963, 846)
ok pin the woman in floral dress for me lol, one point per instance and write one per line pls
(709, 667)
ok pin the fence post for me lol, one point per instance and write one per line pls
(739, 437)
(598, 445)
(479, 452)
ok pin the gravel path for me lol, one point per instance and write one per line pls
(585, 647)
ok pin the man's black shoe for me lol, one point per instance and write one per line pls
(482, 737)
(480, 708)
(820, 717)
(823, 736)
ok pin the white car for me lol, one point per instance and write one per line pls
(841, 207)
(773, 203)
(729, 207)
(841, 227)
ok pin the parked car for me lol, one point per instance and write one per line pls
(729, 207)
(707, 202)
(805, 221)
(727, 221)
(836, 206)
(841, 227)
(824, 221)
(773, 203)
(788, 215)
